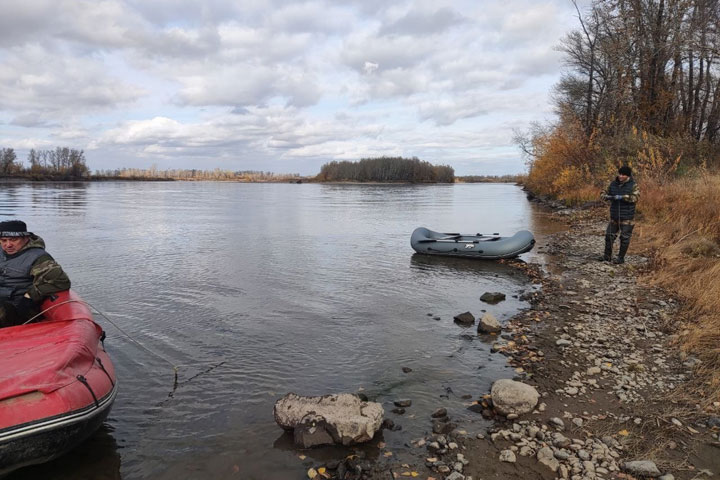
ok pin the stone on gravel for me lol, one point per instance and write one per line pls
(643, 468)
(466, 318)
(507, 456)
(455, 476)
(546, 456)
(342, 418)
(511, 397)
(489, 324)
(557, 422)
(492, 297)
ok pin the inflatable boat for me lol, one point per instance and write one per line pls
(57, 383)
(489, 247)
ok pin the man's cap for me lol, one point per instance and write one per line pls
(625, 170)
(14, 228)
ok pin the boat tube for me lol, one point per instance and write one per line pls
(57, 383)
(488, 247)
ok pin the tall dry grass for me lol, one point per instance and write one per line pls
(681, 228)
(678, 218)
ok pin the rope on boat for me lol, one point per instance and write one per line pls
(176, 383)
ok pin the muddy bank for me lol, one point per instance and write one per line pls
(601, 349)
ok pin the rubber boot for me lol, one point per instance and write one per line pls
(608, 250)
(621, 254)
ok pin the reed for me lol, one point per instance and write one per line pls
(680, 227)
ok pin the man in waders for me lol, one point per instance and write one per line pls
(622, 193)
(28, 274)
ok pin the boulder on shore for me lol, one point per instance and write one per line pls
(339, 418)
(511, 397)
(489, 324)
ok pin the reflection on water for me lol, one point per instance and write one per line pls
(281, 287)
(442, 265)
(96, 459)
(59, 198)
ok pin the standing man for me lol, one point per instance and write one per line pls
(28, 274)
(622, 193)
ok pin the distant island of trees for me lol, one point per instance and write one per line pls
(64, 164)
(386, 169)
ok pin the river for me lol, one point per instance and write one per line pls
(256, 290)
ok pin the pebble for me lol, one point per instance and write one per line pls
(557, 422)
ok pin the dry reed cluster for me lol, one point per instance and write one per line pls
(680, 226)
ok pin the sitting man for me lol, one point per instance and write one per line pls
(28, 274)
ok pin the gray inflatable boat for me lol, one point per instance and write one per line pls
(489, 247)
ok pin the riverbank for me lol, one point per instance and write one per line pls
(602, 347)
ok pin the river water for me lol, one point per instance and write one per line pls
(256, 290)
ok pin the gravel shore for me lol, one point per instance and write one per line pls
(601, 348)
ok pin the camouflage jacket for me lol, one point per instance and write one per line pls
(46, 275)
(623, 209)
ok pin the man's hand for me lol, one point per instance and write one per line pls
(25, 305)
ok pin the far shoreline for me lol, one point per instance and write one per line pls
(21, 180)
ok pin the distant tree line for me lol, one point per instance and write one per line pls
(490, 179)
(61, 163)
(217, 174)
(386, 169)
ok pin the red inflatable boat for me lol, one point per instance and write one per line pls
(57, 383)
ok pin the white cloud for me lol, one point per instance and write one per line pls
(180, 81)
(42, 87)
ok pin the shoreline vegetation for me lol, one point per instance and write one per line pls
(66, 164)
(642, 88)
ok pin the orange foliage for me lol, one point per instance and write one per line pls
(561, 168)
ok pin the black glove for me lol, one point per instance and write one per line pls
(26, 307)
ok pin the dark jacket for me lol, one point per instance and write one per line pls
(623, 209)
(31, 270)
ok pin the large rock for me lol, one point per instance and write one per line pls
(511, 397)
(341, 418)
(492, 297)
(489, 324)
(466, 318)
(642, 468)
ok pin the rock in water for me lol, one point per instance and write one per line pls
(510, 397)
(340, 418)
(492, 297)
(489, 324)
(464, 318)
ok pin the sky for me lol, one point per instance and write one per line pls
(277, 85)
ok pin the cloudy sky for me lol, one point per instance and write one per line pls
(278, 85)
